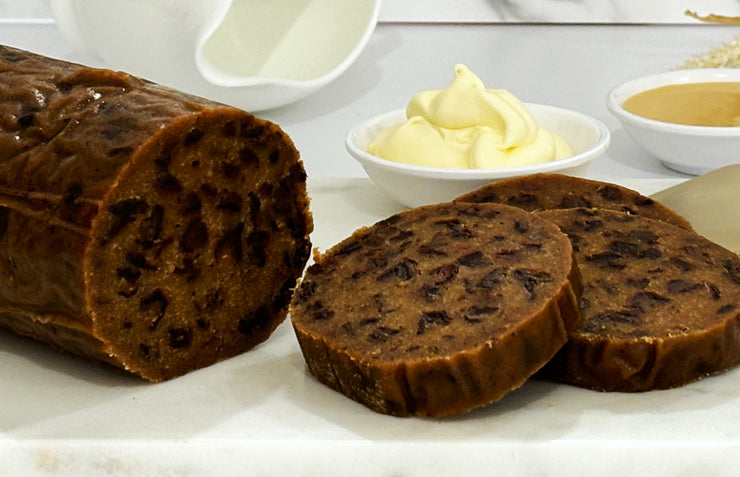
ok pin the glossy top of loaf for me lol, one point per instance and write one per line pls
(66, 129)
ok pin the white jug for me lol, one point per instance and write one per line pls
(253, 54)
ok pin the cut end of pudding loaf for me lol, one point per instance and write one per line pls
(196, 251)
(437, 310)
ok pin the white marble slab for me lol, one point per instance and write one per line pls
(554, 11)
(477, 11)
(262, 414)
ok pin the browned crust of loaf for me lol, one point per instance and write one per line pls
(660, 309)
(442, 383)
(76, 143)
(445, 386)
(58, 332)
(546, 191)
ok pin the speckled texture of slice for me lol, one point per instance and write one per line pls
(439, 309)
(557, 191)
(661, 305)
(141, 226)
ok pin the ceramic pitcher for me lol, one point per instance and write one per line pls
(253, 54)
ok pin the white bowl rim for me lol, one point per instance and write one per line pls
(232, 81)
(364, 157)
(620, 93)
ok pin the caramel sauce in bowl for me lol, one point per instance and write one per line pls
(714, 104)
(688, 119)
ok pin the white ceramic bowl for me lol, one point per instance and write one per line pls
(251, 54)
(688, 149)
(413, 185)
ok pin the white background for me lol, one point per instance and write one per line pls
(262, 414)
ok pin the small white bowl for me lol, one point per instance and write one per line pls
(689, 149)
(413, 185)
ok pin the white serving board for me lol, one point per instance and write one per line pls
(261, 413)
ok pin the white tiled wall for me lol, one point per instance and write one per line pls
(590, 11)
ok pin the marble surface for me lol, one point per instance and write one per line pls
(554, 11)
(476, 11)
(262, 414)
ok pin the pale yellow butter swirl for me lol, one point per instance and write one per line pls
(468, 126)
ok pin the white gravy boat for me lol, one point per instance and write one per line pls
(253, 54)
